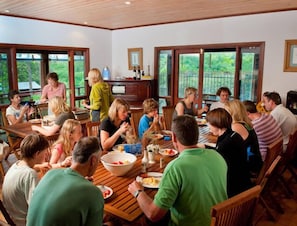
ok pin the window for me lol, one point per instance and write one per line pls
(237, 66)
(33, 63)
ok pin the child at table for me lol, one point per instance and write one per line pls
(70, 133)
(61, 111)
(150, 120)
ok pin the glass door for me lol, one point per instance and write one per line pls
(187, 73)
(4, 77)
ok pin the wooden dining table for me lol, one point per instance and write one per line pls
(122, 204)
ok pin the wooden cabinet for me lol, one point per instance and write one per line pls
(133, 91)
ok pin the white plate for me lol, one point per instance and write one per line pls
(35, 121)
(168, 152)
(103, 189)
(154, 175)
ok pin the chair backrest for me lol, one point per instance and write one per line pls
(42, 109)
(4, 119)
(92, 128)
(6, 215)
(136, 114)
(167, 116)
(291, 147)
(270, 171)
(273, 150)
(238, 210)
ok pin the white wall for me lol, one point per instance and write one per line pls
(272, 28)
(26, 31)
(110, 47)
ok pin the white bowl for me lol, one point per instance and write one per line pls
(118, 163)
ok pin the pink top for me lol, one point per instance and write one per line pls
(48, 92)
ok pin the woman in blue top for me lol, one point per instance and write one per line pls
(150, 120)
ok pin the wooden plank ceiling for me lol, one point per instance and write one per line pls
(116, 14)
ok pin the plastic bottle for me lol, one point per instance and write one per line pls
(144, 161)
(106, 73)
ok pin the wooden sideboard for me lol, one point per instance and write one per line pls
(133, 91)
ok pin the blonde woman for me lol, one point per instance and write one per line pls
(114, 127)
(61, 111)
(244, 127)
(186, 105)
(100, 96)
(70, 133)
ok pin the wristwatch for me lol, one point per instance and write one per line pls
(136, 193)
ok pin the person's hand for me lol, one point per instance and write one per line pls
(31, 110)
(24, 109)
(134, 186)
(124, 127)
(67, 161)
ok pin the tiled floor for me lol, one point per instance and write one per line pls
(289, 218)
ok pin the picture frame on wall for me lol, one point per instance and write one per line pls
(290, 59)
(135, 59)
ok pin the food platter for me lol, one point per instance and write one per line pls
(150, 179)
(106, 191)
(201, 122)
(168, 152)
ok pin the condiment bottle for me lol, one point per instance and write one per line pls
(144, 161)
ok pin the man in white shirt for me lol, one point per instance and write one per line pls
(223, 93)
(282, 115)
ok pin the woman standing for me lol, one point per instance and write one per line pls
(53, 88)
(231, 146)
(100, 96)
(186, 106)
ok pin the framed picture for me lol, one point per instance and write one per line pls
(135, 59)
(290, 63)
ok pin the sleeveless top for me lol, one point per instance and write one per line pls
(187, 111)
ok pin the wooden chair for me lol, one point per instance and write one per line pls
(92, 128)
(14, 142)
(167, 117)
(273, 150)
(136, 114)
(42, 109)
(270, 176)
(238, 210)
(6, 215)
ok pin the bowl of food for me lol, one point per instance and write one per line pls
(118, 163)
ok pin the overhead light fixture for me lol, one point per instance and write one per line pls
(85, 23)
(127, 2)
(7, 11)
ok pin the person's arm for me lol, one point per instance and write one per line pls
(179, 108)
(146, 204)
(108, 141)
(64, 92)
(47, 132)
(55, 157)
(43, 97)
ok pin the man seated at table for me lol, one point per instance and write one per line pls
(17, 113)
(191, 184)
(65, 196)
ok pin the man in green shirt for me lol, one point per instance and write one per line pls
(191, 184)
(64, 196)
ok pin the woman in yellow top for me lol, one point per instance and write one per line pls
(100, 96)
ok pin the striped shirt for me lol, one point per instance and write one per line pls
(267, 131)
